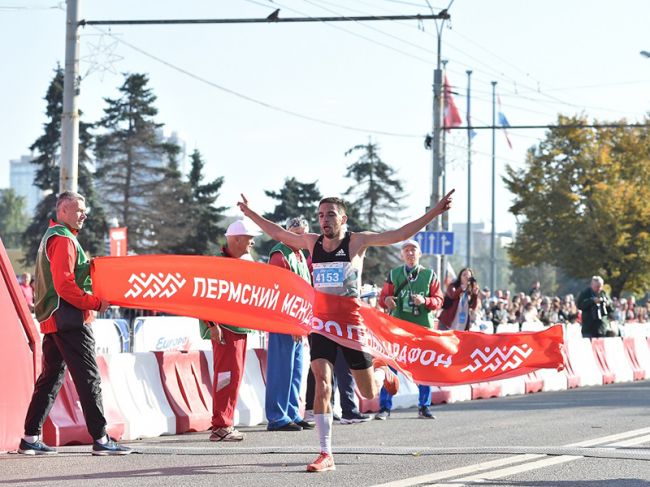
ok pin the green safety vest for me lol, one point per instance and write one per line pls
(420, 285)
(298, 266)
(46, 300)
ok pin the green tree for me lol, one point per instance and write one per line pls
(375, 200)
(294, 199)
(186, 212)
(583, 201)
(47, 148)
(12, 217)
(132, 159)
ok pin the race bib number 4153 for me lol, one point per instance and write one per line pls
(329, 274)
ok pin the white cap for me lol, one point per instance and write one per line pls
(242, 227)
(412, 242)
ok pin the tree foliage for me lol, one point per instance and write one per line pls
(376, 191)
(48, 148)
(12, 217)
(375, 200)
(583, 201)
(132, 160)
(294, 199)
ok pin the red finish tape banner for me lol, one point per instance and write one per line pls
(268, 298)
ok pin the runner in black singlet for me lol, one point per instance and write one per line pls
(337, 257)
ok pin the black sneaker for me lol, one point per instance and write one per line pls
(111, 447)
(286, 427)
(36, 448)
(424, 413)
(336, 417)
(355, 418)
(305, 425)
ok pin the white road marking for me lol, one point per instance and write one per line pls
(627, 438)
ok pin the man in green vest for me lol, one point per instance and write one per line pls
(285, 352)
(411, 293)
(229, 344)
(65, 306)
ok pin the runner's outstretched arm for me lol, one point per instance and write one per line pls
(370, 239)
(275, 231)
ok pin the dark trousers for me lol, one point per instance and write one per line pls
(342, 378)
(76, 349)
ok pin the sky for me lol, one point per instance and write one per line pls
(362, 81)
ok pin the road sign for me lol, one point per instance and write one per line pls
(436, 243)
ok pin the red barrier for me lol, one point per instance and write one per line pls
(572, 379)
(20, 356)
(534, 383)
(638, 372)
(66, 424)
(485, 390)
(598, 346)
(186, 381)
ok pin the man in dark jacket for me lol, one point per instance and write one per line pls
(595, 306)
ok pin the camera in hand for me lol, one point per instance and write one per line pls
(415, 309)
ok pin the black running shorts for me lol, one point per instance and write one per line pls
(322, 347)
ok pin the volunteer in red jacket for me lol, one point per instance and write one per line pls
(65, 306)
(229, 345)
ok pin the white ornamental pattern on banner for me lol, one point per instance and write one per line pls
(498, 359)
(153, 286)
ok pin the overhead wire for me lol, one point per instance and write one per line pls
(252, 99)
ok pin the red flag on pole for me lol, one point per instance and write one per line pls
(451, 114)
(118, 239)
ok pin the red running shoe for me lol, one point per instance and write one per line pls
(324, 463)
(391, 381)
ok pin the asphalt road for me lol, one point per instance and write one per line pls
(589, 437)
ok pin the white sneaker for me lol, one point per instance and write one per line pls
(309, 416)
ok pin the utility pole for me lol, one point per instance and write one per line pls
(469, 171)
(70, 115)
(493, 235)
(443, 165)
(70, 118)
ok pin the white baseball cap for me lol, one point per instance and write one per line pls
(412, 242)
(243, 227)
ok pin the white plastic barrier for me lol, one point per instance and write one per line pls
(572, 330)
(507, 328)
(135, 379)
(532, 326)
(483, 327)
(635, 329)
(642, 352)
(553, 380)
(617, 360)
(162, 333)
(250, 403)
(408, 394)
(454, 393)
(108, 339)
(583, 361)
(514, 386)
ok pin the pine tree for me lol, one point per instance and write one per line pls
(375, 200)
(201, 238)
(132, 159)
(48, 148)
(294, 199)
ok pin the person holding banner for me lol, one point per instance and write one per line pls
(337, 260)
(285, 352)
(229, 345)
(65, 307)
(412, 293)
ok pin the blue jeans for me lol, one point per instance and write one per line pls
(283, 379)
